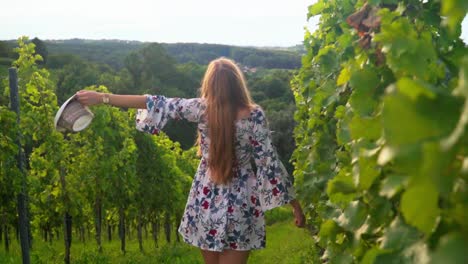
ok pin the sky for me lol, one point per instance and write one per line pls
(234, 22)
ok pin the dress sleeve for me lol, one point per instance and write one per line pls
(274, 183)
(159, 109)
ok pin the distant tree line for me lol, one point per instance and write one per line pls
(252, 57)
(113, 52)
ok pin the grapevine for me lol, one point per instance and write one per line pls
(382, 109)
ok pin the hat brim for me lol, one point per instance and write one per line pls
(60, 111)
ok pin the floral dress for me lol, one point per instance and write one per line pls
(226, 216)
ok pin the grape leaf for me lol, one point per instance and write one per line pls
(316, 9)
(419, 205)
(406, 122)
(365, 172)
(353, 216)
(399, 235)
(415, 88)
(393, 184)
(451, 250)
(341, 188)
(455, 10)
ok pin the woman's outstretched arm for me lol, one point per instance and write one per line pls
(128, 101)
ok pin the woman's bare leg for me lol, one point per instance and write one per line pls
(210, 257)
(233, 257)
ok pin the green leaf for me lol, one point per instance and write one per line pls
(364, 80)
(344, 76)
(341, 188)
(419, 205)
(415, 88)
(399, 235)
(462, 88)
(393, 184)
(451, 250)
(353, 216)
(364, 83)
(435, 166)
(374, 2)
(392, 258)
(365, 127)
(407, 122)
(371, 255)
(380, 214)
(345, 40)
(342, 133)
(327, 59)
(403, 124)
(365, 172)
(328, 231)
(377, 2)
(417, 252)
(55, 192)
(460, 212)
(363, 104)
(464, 167)
(386, 155)
(316, 9)
(340, 112)
(328, 87)
(455, 11)
(408, 159)
(407, 51)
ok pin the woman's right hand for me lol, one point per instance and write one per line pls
(89, 97)
(128, 101)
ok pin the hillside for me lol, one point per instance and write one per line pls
(113, 52)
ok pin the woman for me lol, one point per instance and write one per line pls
(224, 215)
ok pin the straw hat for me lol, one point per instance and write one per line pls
(72, 116)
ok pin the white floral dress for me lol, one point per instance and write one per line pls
(230, 216)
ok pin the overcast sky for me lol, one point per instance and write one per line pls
(239, 22)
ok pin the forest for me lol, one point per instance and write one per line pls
(113, 52)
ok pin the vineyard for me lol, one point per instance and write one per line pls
(381, 158)
(96, 179)
(380, 165)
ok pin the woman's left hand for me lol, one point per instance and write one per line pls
(299, 217)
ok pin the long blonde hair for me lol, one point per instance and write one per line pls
(225, 91)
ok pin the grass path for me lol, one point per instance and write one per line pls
(286, 244)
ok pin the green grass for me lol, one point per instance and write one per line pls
(87, 253)
(6, 61)
(286, 244)
(4, 71)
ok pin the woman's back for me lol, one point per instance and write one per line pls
(231, 215)
(227, 200)
(244, 125)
